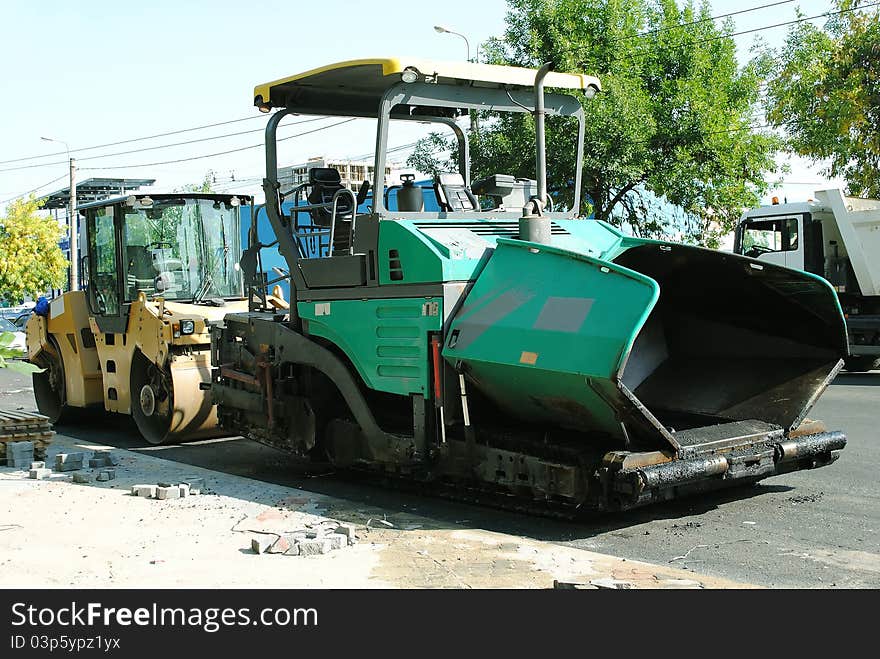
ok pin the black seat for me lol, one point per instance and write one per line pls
(141, 274)
(324, 182)
(453, 195)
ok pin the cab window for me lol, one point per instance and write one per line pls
(103, 280)
(763, 236)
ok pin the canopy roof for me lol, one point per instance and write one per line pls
(94, 189)
(360, 84)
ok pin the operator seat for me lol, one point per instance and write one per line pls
(324, 183)
(453, 195)
(140, 274)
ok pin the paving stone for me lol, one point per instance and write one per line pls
(194, 482)
(314, 547)
(101, 459)
(261, 543)
(184, 490)
(348, 531)
(107, 475)
(337, 541)
(39, 473)
(38, 465)
(611, 584)
(81, 479)
(280, 546)
(19, 454)
(148, 491)
(69, 461)
(171, 492)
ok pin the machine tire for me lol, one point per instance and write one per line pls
(153, 427)
(860, 363)
(50, 388)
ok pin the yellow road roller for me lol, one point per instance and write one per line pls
(157, 271)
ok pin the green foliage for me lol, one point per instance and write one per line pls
(825, 89)
(9, 357)
(673, 124)
(30, 260)
(206, 186)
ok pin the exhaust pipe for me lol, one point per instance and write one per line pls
(541, 147)
(533, 226)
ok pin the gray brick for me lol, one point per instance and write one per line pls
(172, 492)
(107, 475)
(314, 547)
(82, 479)
(69, 461)
(38, 465)
(194, 482)
(101, 459)
(281, 545)
(40, 474)
(148, 491)
(337, 541)
(348, 531)
(20, 454)
(261, 543)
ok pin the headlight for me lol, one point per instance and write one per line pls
(187, 326)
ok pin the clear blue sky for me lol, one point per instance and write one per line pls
(95, 72)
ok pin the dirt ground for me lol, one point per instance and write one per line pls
(58, 533)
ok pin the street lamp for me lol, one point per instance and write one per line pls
(71, 218)
(439, 29)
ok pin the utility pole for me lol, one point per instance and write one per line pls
(74, 230)
(72, 224)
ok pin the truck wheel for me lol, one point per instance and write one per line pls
(860, 363)
(50, 389)
(151, 400)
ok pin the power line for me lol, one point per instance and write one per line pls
(161, 146)
(219, 153)
(792, 22)
(54, 180)
(700, 21)
(134, 139)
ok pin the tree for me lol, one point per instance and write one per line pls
(825, 90)
(672, 126)
(30, 260)
(206, 186)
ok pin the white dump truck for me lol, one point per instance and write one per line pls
(833, 236)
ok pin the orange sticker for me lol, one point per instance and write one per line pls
(528, 358)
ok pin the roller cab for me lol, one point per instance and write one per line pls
(159, 269)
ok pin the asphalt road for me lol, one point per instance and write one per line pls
(813, 529)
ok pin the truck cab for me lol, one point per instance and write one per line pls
(835, 237)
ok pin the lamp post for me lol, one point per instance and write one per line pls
(439, 29)
(73, 225)
(445, 30)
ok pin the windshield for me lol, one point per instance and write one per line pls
(183, 249)
(7, 326)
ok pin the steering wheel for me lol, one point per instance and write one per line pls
(757, 250)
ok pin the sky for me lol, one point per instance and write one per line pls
(97, 72)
